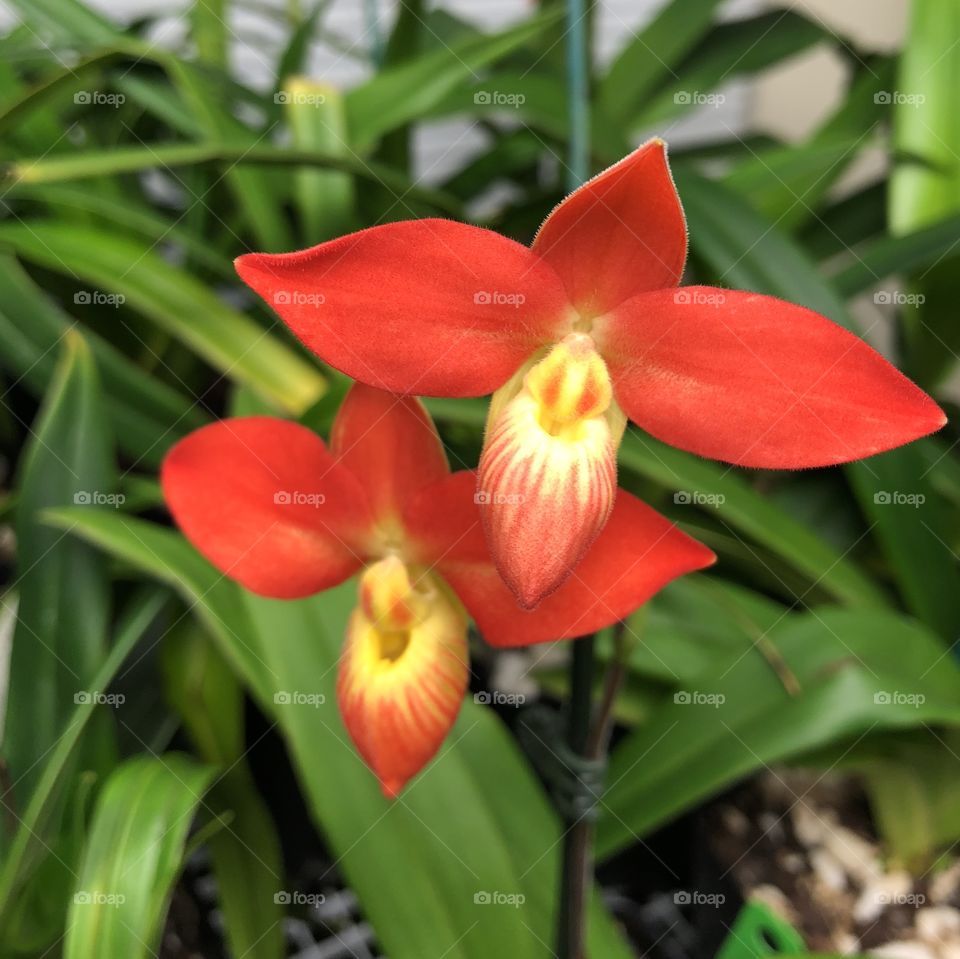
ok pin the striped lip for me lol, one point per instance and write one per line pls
(403, 672)
(547, 476)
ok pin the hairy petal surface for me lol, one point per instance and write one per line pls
(637, 553)
(403, 672)
(621, 233)
(266, 503)
(431, 307)
(755, 381)
(391, 446)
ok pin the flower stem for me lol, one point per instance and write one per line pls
(578, 93)
(578, 839)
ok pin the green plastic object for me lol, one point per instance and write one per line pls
(760, 932)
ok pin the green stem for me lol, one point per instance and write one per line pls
(578, 838)
(578, 93)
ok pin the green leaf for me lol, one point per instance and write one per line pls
(730, 50)
(788, 184)
(64, 607)
(857, 671)
(650, 56)
(176, 301)
(146, 415)
(246, 852)
(133, 855)
(326, 199)
(913, 784)
(24, 878)
(208, 22)
(93, 163)
(926, 122)
(888, 255)
(63, 80)
(254, 191)
(70, 21)
(399, 94)
(925, 183)
(415, 864)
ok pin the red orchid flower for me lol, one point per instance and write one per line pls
(276, 510)
(575, 335)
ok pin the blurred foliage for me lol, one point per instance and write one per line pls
(135, 171)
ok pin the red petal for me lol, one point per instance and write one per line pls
(390, 445)
(430, 307)
(399, 694)
(638, 553)
(755, 381)
(266, 503)
(621, 233)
